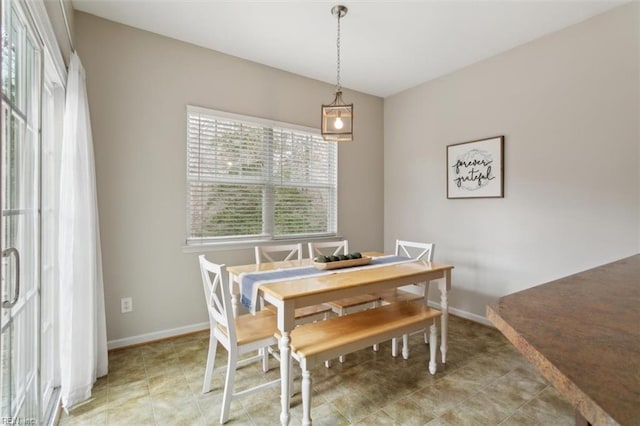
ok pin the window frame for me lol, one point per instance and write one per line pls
(195, 244)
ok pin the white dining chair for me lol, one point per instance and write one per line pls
(278, 252)
(239, 335)
(418, 251)
(328, 248)
(348, 304)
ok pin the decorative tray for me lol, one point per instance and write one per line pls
(337, 264)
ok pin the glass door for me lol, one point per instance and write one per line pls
(20, 228)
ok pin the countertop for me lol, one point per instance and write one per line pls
(582, 332)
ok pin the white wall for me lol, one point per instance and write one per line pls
(568, 106)
(139, 85)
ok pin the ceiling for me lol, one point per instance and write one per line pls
(386, 46)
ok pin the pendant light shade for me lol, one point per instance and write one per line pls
(337, 120)
(337, 117)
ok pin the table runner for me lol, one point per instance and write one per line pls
(250, 281)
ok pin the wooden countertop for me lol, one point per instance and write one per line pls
(583, 333)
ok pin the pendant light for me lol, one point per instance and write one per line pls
(337, 117)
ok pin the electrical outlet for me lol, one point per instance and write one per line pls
(126, 305)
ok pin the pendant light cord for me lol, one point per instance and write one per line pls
(338, 87)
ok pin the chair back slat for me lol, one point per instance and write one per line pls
(415, 250)
(216, 304)
(218, 296)
(328, 248)
(276, 253)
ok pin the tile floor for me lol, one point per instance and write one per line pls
(485, 382)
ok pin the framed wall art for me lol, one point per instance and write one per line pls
(475, 169)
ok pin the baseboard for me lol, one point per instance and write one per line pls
(156, 335)
(464, 314)
(173, 332)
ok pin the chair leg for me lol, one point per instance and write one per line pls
(306, 397)
(211, 359)
(228, 386)
(394, 347)
(265, 359)
(405, 346)
(426, 337)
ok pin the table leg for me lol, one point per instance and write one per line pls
(444, 286)
(433, 342)
(306, 397)
(285, 374)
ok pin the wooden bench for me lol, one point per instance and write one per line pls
(311, 344)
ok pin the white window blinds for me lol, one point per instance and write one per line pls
(253, 179)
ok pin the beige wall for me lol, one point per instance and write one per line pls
(568, 106)
(139, 85)
(57, 22)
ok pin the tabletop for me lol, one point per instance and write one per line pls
(282, 264)
(387, 275)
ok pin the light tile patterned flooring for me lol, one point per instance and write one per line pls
(485, 382)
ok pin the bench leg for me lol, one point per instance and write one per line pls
(306, 397)
(433, 342)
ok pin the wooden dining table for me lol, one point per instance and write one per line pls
(292, 293)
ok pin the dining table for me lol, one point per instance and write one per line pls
(297, 291)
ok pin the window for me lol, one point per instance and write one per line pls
(252, 179)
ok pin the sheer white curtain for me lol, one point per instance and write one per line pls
(83, 337)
